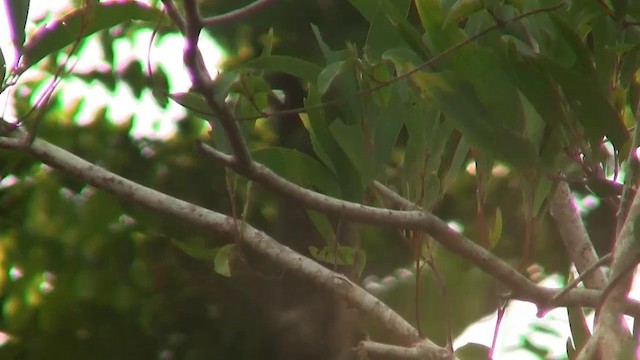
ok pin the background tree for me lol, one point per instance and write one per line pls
(336, 146)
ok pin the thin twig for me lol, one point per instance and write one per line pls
(603, 260)
(235, 15)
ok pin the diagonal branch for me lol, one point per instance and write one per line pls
(575, 236)
(209, 220)
(521, 287)
(191, 25)
(235, 15)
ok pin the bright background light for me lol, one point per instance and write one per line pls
(149, 119)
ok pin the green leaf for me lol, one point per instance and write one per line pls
(496, 232)
(457, 163)
(346, 255)
(17, 11)
(412, 37)
(458, 100)
(193, 102)
(286, 64)
(462, 8)
(329, 74)
(585, 63)
(356, 146)
(596, 114)
(268, 47)
(323, 143)
(473, 351)
(330, 56)
(200, 253)
(431, 192)
(323, 225)
(382, 32)
(298, 167)
(81, 23)
(222, 258)
(3, 69)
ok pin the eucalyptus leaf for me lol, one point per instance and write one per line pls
(17, 11)
(79, 24)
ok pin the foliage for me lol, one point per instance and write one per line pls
(525, 93)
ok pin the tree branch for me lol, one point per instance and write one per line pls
(212, 221)
(522, 288)
(574, 235)
(235, 15)
(608, 335)
(202, 80)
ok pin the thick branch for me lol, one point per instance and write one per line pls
(212, 221)
(574, 235)
(607, 339)
(521, 286)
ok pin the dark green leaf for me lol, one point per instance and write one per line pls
(382, 32)
(329, 74)
(323, 143)
(81, 23)
(496, 232)
(458, 100)
(17, 11)
(457, 163)
(3, 69)
(193, 102)
(299, 68)
(323, 226)
(592, 109)
(356, 145)
(462, 8)
(298, 167)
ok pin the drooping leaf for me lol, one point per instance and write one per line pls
(462, 8)
(346, 255)
(596, 114)
(495, 233)
(81, 23)
(276, 63)
(3, 69)
(193, 102)
(329, 74)
(457, 163)
(222, 260)
(195, 251)
(298, 167)
(458, 100)
(473, 351)
(330, 56)
(323, 226)
(382, 33)
(17, 11)
(357, 147)
(316, 124)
